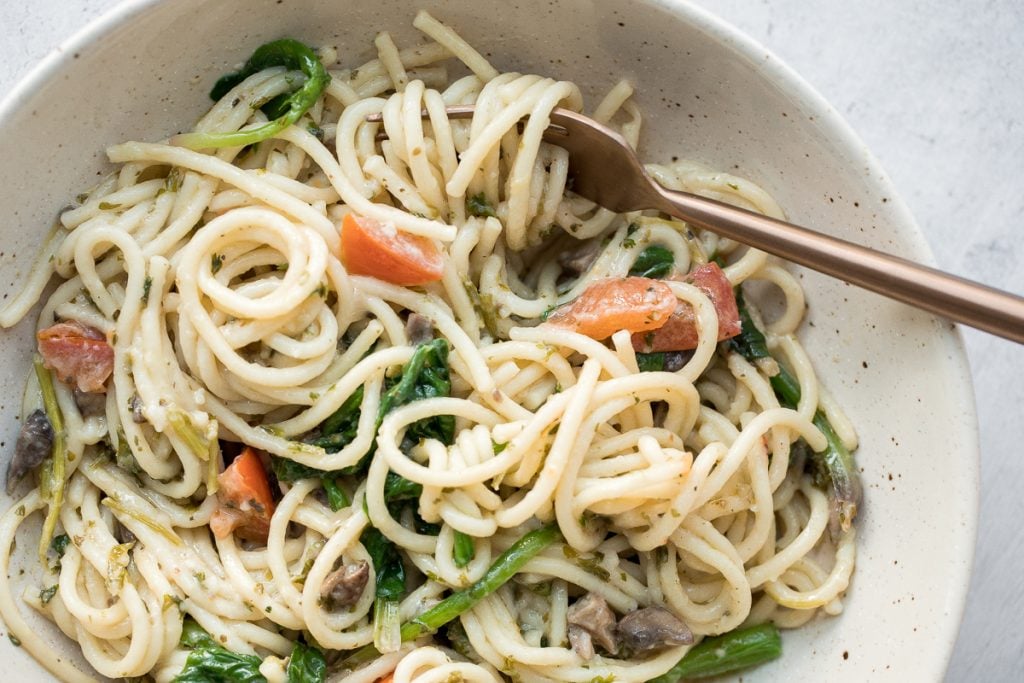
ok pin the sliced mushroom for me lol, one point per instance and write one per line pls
(675, 360)
(35, 442)
(344, 586)
(136, 405)
(652, 628)
(581, 642)
(123, 534)
(90, 403)
(593, 615)
(419, 329)
(577, 261)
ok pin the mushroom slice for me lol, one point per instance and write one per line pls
(652, 628)
(90, 403)
(592, 615)
(344, 586)
(419, 329)
(581, 642)
(35, 443)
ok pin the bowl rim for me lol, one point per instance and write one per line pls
(833, 126)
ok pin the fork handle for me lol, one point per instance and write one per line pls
(953, 297)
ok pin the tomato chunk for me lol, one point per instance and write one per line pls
(635, 304)
(245, 502)
(679, 333)
(381, 250)
(78, 354)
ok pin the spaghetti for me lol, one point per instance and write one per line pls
(422, 417)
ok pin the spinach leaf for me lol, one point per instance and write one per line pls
(306, 665)
(426, 375)
(344, 420)
(654, 262)
(651, 362)
(336, 496)
(750, 342)
(289, 471)
(209, 662)
(285, 110)
(397, 488)
(194, 637)
(390, 574)
(387, 563)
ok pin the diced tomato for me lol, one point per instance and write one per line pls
(79, 354)
(383, 251)
(679, 333)
(246, 504)
(387, 679)
(635, 304)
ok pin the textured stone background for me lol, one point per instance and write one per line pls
(936, 90)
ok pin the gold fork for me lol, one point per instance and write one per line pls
(605, 170)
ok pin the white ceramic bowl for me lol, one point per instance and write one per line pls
(143, 70)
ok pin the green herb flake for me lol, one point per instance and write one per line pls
(59, 544)
(316, 131)
(47, 594)
(478, 206)
(216, 261)
(173, 181)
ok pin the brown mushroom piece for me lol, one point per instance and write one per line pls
(581, 642)
(90, 403)
(35, 443)
(123, 534)
(419, 329)
(344, 586)
(591, 620)
(577, 261)
(652, 628)
(136, 405)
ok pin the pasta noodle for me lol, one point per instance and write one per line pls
(235, 317)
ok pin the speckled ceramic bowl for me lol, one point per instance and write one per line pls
(143, 70)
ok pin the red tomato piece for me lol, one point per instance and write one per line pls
(78, 354)
(679, 333)
(246, 504)
(383, 251)
(635, 304)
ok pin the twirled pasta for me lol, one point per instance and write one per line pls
(216, 276)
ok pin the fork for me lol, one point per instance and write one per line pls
(605, 169)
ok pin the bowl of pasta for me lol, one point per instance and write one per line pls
(308, 382)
